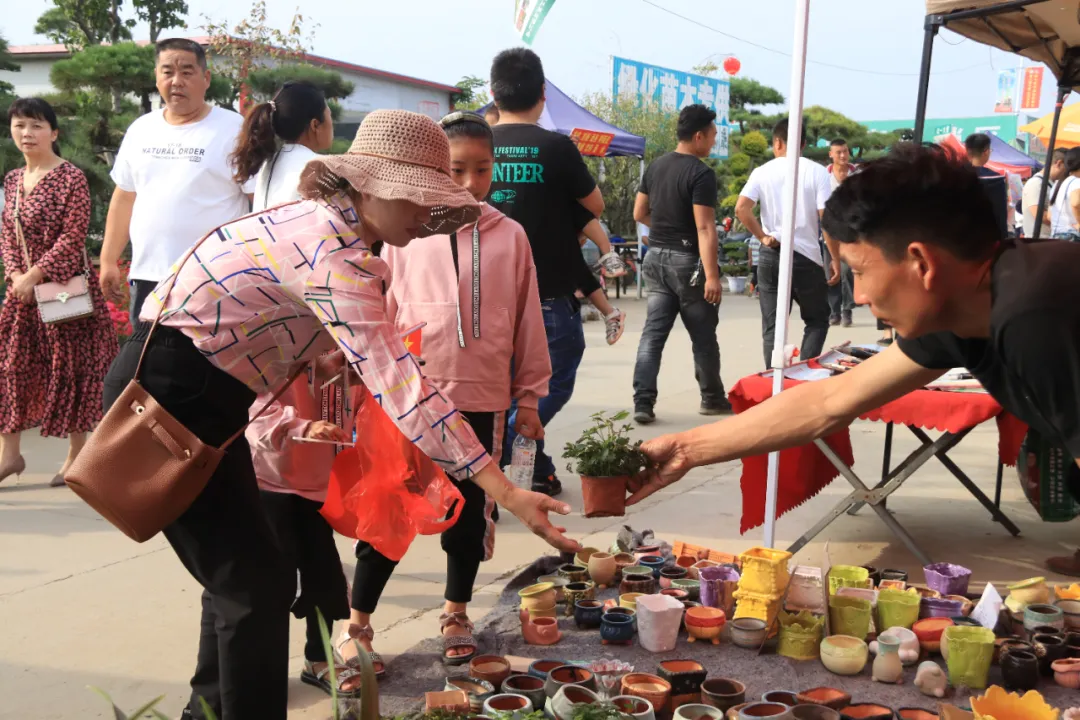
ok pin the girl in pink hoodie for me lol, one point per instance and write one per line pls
(484, 344)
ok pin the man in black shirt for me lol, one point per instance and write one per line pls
(995, 185)
(921, 238)
(538, 178)
(677, 201)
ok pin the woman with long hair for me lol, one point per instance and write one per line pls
(1065, 200)
(50, 373)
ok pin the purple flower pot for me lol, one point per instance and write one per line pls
(947, 579)
(717, 587)
(939, 607)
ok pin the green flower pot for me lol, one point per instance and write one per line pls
(897, 608)
(800, 635)
(849, 616)
(848, 576)
(970, 651)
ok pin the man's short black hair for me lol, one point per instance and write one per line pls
(781, 128)
(181, 44)
(838, 142)
(914, 194)
(692, 120)
(517, 80)
(977, 143)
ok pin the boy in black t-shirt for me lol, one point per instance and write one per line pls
(924, 243)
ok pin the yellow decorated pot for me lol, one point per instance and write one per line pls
(997, 704)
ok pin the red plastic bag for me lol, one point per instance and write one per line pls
(385, 491)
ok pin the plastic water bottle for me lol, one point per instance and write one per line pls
(522, 461)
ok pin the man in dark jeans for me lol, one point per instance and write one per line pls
(808, 284)
(538, 178)
(677, 201)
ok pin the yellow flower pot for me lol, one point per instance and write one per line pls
(997, 704)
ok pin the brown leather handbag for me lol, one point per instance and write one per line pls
(142, 469)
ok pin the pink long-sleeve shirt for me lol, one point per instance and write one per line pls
(280, 287)
(480, 317)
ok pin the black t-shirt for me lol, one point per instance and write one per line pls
(675, 183)
(1031, 361)
(538, 178)
(996, 187)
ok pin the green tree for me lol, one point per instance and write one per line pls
(266, 81)
(471, 95)
(81, 23)
(161, 15)
(747, 95)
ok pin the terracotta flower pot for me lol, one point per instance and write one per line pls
(509, 704)
(527, 685)
(541, 631)
(541, 668)
(540, 595)
(651, 687)
(814, 712)
(826, 696)
(604, 496)
(491, 668)
(916, 714)
(568, 675)
(478, 690)
(454, 701)
(723, 693)
(866, 711)
(602, 569)
(1067, 672)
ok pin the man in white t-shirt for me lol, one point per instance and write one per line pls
(808, 285)
(174, 179)
(1030, 202)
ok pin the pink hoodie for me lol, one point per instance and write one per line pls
(474, 331)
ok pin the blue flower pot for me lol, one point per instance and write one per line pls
(654, 563)
(587, 613)
(616, 629)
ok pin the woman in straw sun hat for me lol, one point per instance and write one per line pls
(259, 297)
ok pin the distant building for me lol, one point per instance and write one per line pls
(375, 89)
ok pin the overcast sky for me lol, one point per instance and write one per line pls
(863, 55)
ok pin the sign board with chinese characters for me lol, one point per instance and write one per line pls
(1031, 95)
(529, 16)
(1006, 92)
(589, 142)
(671, 91)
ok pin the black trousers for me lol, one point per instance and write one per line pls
(466, 544)
(306, 541)
(223, 539)
(139, 291)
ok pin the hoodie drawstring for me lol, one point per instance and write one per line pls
(475, 283)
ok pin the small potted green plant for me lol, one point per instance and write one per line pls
(606, 459)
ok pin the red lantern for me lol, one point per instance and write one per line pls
(732, 65)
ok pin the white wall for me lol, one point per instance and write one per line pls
(32, 79)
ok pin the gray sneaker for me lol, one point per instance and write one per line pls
(613, 265)
(721, 407)
(644, 416)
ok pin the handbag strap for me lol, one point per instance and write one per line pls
(157, 319)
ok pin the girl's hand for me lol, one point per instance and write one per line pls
(23, 285)
(322, 430)
(527, 423)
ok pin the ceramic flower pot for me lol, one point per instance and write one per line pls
(1004, 645)
(604, 496)
(655, 689)
(1070, 610)
(692, 587)
(507, 705)
(1020, 670)
(541, 668)
(947, 578)
(775, 711)
(568, 675)
(569, 699)
(966, 606)
(924, 592)
(805, 590)
(654, 563)
(587, 614)
(622, 561)
(887, 667)
(704, 623)
(642, 550)
(620, 610)
(1072, 644)
(696, 568)
(892, 585)
(929, 631)
(541, 631)
(455, 702)
(490, 668)
(1049, 648)
(616, 629)
(894, 575)
(970, 651)
(574, 573)
(558, 582)
(1039, 615)
(673, 572)
(916, 714)
(583, 555)
(939, 608)
(826, 697)
(800, 635)
(659, 620)
(697, 711)
(849, 616)
(686, 561)
(527, 685)
(718, 586)
(748, 632)
(814, 712)
(537, 596)
(996, 703)
(844, 654)
(685, 678)
(636, 583)
(548, 612)
(1067, 672)
(723, 693)
(909, 644)
(764, 571)
(931, 680)
(576, 592)
(783, 697)
(1028, 592)
(676, 593)
(602, 569)
(636, 707)
(896, 608)
(866, 711)
(478, 690)
(848, 576)
(629, 600)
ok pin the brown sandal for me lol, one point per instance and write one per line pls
(454, 642)
(353, 633)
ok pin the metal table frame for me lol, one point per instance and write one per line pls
(893, 479)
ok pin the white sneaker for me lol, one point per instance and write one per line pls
(614, 326)
(612, 265)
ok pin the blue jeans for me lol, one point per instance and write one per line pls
(842, 294)
(566, 345)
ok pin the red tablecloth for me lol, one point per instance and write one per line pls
(805, 471)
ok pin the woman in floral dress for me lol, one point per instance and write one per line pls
(50, 375)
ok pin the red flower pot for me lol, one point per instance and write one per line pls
(604, 496)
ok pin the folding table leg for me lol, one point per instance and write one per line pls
(997, 486)
(886, 461)
(952, 467)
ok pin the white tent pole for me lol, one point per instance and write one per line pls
(787, 242)
(640, 247)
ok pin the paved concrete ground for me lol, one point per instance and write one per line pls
(81, 605)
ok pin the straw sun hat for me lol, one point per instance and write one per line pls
(397, 155)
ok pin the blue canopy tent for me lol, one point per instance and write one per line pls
(1009, 158)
